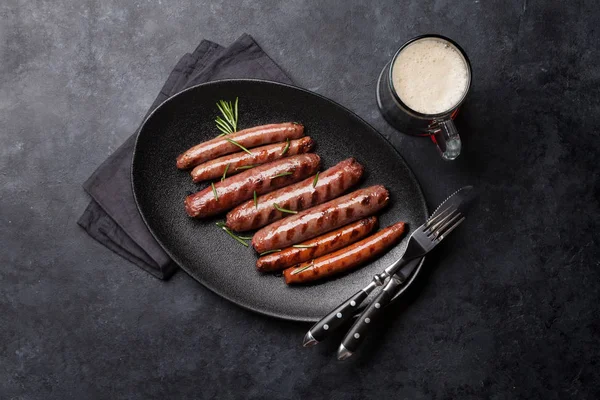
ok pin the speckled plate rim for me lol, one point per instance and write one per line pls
(411, 176)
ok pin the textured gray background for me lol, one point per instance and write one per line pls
(511, 312)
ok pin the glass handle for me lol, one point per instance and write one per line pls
(445, 136)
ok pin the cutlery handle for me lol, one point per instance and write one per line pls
(335, 319)
(359, 330)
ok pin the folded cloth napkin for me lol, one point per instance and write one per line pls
(112, 217)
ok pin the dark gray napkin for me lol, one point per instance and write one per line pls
(112, 217)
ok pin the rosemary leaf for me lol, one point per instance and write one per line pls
(223, 126)
(245, 237)
(255, 200)
(214, 191)
(225, 172)
(284, 210)
(282, 174)
(287, 146)
(236, 113)
(314, 184)
(264, 253)
(239, 145)
(298, 270)
(246, 167)
(304, 246)
(223, 107)
(233, 235)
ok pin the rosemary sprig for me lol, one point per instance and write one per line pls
(287, 146)
(225, 172)
(243, 167)
(314, 184)
(285, 210)
(264, 253)
(228, 123)
(214, 191)
(304, 246)
(255, 200)
(282, 174)
(233, 235)
(239, 145)
(298, 270)
(245, 237)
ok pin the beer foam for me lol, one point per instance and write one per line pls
(430, 76)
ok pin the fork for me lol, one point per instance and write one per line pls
(421, 242)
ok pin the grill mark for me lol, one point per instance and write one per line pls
(275, 241)
(289, 235)
(301, 168)
(300, 203)
(328, 191)
(319, 222)
(314, 197)
(272, 214)
(256, 220)
(342, 180)
(366, 200)
(350, 212)
(335, 239)
(335, 214)
(304, 228)
(354, 234)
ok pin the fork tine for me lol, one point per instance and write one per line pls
(457, 223)
(441, 226)
(442, 214)
(442, 222)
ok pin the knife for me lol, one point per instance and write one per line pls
(336, 318)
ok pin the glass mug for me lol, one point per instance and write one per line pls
(421, 89)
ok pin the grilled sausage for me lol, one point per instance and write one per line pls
(330, 184)
(318, 246)
(321, 219)
(260, 155)
(237, 189)
(248, 138)
(346, 258)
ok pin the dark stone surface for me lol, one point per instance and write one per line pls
(508, 308)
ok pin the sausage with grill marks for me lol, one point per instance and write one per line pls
(347, 258)
(318, 246)
(321, 219)
(239, 188)
(260, 155)
(249, 138)
(300, 196)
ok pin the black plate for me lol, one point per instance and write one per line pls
(206, 252)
